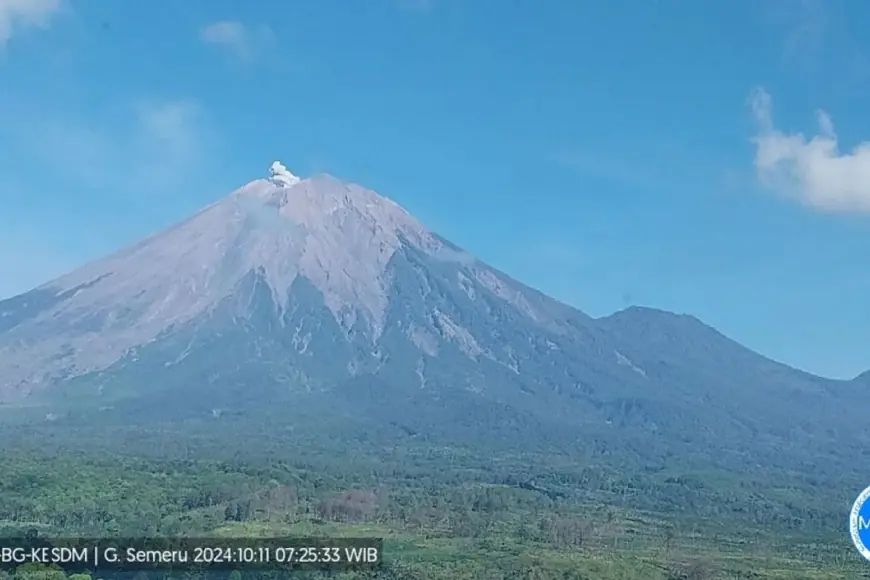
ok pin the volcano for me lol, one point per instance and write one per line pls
(322, 301)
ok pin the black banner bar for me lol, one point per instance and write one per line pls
(143, 554)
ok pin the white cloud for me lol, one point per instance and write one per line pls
(241, 42)
(812, 171)
(16, 14)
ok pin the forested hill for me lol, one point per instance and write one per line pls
(444, 512)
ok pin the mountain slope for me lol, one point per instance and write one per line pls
(768, 405)
(322, 304)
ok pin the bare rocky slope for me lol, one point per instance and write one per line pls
(319, 303)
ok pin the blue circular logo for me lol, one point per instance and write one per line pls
(859, 524)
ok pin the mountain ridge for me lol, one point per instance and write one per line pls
(317, 294)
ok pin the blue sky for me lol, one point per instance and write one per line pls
(701, 157)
